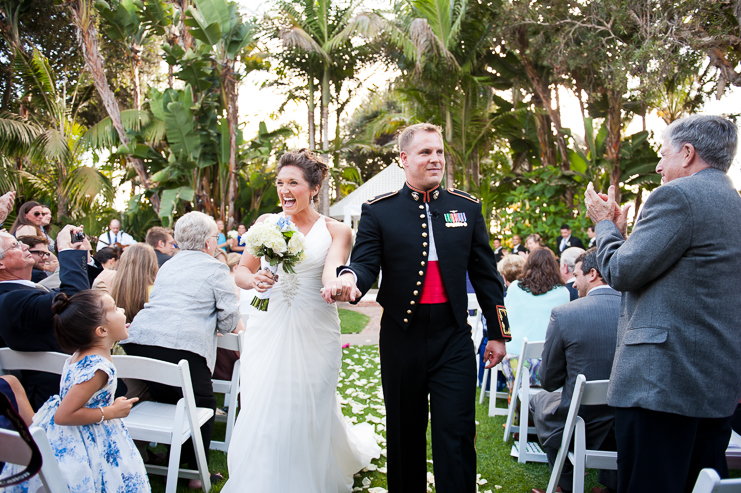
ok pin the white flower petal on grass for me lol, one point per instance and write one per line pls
(377, 489)
(366, 482)
(430, 478)
(382, 470)
(482, 481)
(498, 486)
(370, 467)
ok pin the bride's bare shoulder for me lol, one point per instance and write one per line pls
(337, 228)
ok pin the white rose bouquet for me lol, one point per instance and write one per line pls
(232, 234)
(276, 241)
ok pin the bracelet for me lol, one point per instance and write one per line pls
(102, 414)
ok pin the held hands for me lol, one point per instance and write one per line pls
(494, 353)
(120, 408)
(342, 288)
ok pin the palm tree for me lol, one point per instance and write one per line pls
(87, 37)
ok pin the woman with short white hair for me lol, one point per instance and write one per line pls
(191, 301)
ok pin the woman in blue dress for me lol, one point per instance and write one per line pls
(83, 423)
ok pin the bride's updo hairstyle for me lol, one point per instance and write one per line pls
(314, 169)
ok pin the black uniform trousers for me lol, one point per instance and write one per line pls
(434, 357)
(666, 450)
(203, 390)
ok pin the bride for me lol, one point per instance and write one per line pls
(290, 434)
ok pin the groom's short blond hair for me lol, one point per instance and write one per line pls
(405, 139)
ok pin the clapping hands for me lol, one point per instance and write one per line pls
(601, 207)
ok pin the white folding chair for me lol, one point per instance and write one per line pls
(230, 389)
(167, 423)
(493, 394)
(592, 393)
(733, 453)
(13, 449)
(709, 482)
(477, 327)
(41, 361)
(522, 449)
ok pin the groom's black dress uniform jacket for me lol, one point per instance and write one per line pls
(393, 234)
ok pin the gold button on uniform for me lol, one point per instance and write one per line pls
(424, 254)
(424, 235)
(421, 216)
(409, 311)
(411, 302)
(416, 292)
(419, 283)
(421, 273)
(422, 263)
(421, 207)
(406, 321)
(424, 225)
(424, 244)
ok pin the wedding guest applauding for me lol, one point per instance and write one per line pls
(28, 222)
(192, 300)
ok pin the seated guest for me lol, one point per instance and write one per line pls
(6, 206)
(568, 257)
(46, 225)
(163, 243)
(25, 309)
(529, 302)
(134, 279)
(28, 221)
(592, 236)
(115, 235)
(107, 259)
(192, 300)
(13, 390)
(510, 267)
(239, 245)
(222, 242)
(581, 339)
(37, 246)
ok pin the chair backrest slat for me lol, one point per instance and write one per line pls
(148, 369)
(533, 350)
(41, 361)
(13, 448)
(229, 341)
(595, 393)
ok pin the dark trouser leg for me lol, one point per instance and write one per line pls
(657, 448)
(403, 374)
(452, 383)
(203, 391)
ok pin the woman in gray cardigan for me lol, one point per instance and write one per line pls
(192, 300)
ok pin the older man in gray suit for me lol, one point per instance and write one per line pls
(580, 340)
(676, 377)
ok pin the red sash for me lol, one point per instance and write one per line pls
(433, 290)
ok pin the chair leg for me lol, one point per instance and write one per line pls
(511, 408)
(580, 449)
(524, 409)
(173, 466)
(484, 381)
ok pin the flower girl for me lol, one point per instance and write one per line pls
(90, 442)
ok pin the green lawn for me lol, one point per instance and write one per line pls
(361, 398)
(352, 322)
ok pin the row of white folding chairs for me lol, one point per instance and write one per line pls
(150, 421)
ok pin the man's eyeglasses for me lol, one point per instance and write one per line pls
(40, 253)
(17, 245)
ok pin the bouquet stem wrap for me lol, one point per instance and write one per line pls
(261, 300)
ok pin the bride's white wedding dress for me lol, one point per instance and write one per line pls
(290, 434)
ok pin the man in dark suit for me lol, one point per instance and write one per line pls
(676, 379)
(162, 241)
(25, 308)
(580, 340)
(567, 264)
(568, 241)
(517, 247)
(497, 247)
(425, 238)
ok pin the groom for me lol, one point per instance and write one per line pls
(425, 238)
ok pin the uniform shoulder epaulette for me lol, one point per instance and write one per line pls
(382, 196)
(465, 195)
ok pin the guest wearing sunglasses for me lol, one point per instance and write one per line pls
(46, 226)
(29, 220)
(38, 247)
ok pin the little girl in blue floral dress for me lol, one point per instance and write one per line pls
(90, 441)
